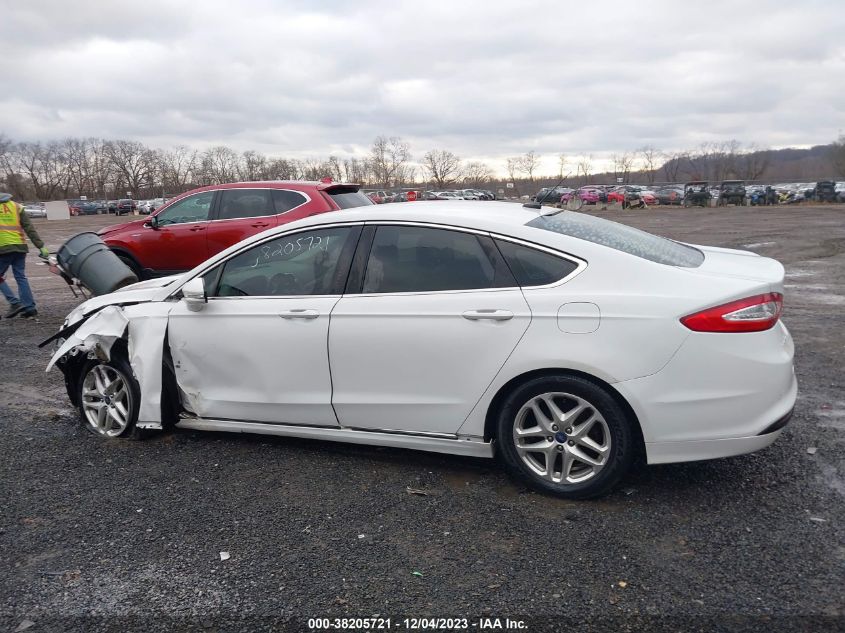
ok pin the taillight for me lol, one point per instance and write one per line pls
(753, 314)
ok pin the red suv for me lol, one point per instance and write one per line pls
(200, 223)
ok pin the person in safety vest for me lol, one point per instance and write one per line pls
(14, 223)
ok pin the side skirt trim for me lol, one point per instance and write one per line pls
(452, 446)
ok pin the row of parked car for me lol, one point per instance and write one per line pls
(384, 197)
(698, 193)
(122, 206)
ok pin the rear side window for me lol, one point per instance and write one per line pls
(532, 267)
(286, 200)
(350, 199)
(621, 238)
(420, 259)
(244, 203)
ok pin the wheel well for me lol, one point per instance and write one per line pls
(135, 264)
(513, 383)
(170, 407)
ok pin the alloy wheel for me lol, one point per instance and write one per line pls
(106, 400)
(562, 438)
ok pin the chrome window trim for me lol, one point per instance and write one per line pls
(251, 297)
(580, 263)
(272, 215)
(208, 265)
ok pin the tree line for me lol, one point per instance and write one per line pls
(100, 168)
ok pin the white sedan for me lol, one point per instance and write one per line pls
(563, 343)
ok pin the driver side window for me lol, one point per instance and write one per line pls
(190, 209)
(313, 262)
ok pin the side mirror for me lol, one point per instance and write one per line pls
(193, 293)
(153, 222)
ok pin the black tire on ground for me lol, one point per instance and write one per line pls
(120, 366)
(622, 448)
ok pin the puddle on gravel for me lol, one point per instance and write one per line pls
(830, 476)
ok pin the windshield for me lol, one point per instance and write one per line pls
(621, 238)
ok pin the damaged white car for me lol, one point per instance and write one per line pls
(563, 343)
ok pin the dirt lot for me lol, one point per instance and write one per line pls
(129, 534)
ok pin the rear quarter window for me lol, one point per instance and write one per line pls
(532, 267)
(621, 238)
(350, 199)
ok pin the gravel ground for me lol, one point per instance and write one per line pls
(128, 535)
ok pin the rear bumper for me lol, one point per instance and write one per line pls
(720, 395)
(673, 452)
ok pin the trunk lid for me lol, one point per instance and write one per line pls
(736, 264)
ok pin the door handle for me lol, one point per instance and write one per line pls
(488, 315)
(197, 228)
(260, 225)
(299, 314)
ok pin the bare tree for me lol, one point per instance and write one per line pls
(315, 169)
(672, 165)
(514, 165)
(334, 168)
(753, 163)
(41, 165)
(622, 165)
(284, 169)
(177, 167)
(74, 153)
(561, 165)
(133, 163)
(220, 164)
(837, 156)
(649, 157)
(528, 163)
(355, 170)
(388, 159)
(476, 174)
(585, 167)
(100, 166)
(442, 167)
(252, 166)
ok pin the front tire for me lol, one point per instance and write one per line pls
(109, 397)
(565, 436)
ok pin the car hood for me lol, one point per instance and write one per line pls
(158, 282)
(142, 292)
(126, 226)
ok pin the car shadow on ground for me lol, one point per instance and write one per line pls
(457, 473)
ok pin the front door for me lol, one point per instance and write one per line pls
(257, 352)
(178, 242)
(437, 315)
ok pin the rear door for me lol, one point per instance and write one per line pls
(430, 316)
(179, 240)
(239, 213)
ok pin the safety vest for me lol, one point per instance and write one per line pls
(11, 231)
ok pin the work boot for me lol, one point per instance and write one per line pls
(14, 310)
(29, 314)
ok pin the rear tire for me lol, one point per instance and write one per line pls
(566, 436)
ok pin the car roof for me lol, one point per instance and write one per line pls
(496, 217)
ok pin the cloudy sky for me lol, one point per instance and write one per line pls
(485, 79)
